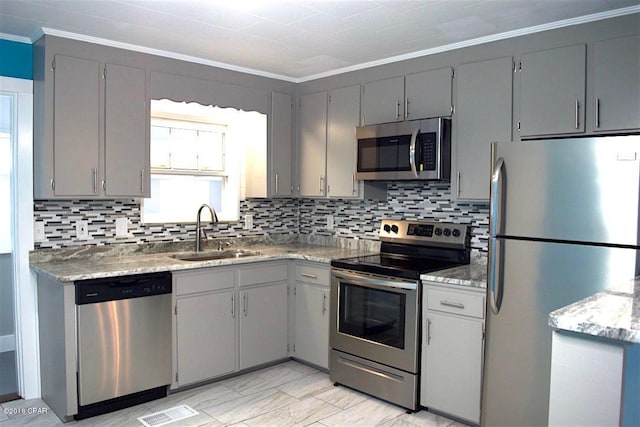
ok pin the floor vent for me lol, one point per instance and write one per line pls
(167, 416)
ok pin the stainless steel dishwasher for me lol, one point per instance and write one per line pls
(124, 341)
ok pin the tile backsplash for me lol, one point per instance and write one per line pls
(352, 218)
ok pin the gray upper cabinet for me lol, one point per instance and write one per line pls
(616, 84)
(76, 144)
(483, 115)
(383, 101)
(281, 148)
(126, 142)
(428, 94)
(344, 117)
(552, 91)
(313, 144)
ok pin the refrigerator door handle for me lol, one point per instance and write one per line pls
(496, 284)
(497, 194)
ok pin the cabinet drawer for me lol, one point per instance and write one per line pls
(313, 274)
(262, 274)
(450, 301)
(203, 280)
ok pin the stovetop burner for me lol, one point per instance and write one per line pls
(412, 248)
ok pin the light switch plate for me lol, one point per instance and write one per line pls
(122, 227)
(329, 222)
(82, 230)
(38, 231)
(248, 222)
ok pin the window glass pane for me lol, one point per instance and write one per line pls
(160, 147)
(6, 107)
(184, 149)
(211, 150)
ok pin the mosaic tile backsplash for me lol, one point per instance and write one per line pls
(356, 219)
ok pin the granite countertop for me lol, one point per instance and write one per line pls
(472, 275)
(613, 313)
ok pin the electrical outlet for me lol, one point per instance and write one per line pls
(82, 230)
(122, 227)
(248, 222)
(38, 231)
(329, 222)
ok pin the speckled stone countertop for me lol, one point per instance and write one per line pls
(98, 262)
(472, 275)
(613, 313)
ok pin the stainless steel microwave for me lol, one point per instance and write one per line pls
(411, 150)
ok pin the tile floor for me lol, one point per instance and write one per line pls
(288, 394)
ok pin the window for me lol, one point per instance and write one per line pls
(6, 118)
(197, 157)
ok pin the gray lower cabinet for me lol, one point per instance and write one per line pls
(228, 319)
(482, 115)
(312, 314)
(616, 84)
(312, 155)
(452, 348)
(552, 91)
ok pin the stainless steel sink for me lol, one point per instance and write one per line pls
(206, 256)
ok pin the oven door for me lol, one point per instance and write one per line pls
(375, 317)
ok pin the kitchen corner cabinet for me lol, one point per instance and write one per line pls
(552, 91)
(343, 118)
(452, 349)
(416, 96)
(483, 114)
(616, 84)
(311, 295)
(280, 176)
(312, 156)
(90, 129)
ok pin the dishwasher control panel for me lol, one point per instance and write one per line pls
(122, 287)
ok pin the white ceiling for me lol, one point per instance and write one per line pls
(295, 40)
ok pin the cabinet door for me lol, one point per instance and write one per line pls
(126, 138)
(312, 324)
(205, 336)
(75, 126)
(263, 324)
(616, 84)
(280, 176)
(483, 115)
(452, 365)
(313, 144)
(428, 94)
(552, 91)
(383, 101)
(344, 117)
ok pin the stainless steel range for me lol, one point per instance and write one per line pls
(375, 307)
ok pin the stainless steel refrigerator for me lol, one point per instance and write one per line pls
(563, 226)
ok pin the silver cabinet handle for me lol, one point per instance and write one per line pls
(276, 192)
(141, 181)
(324, 303)
(596, 108)
(397, 108)
(458, 185)
(406, 108)
(245, 300)
(353, 183)
(95, 181)
(233, 306)
(428, 331)
(577, 114)
(452, 304)
(412, 152)
(309, 276)
(321, 184)
(53, 185)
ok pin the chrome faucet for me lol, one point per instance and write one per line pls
(199, 229)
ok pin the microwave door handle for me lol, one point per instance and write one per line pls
(412, 152)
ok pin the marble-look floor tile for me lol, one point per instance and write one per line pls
(421, 418)
(308, 386)
(458, 424)
(41, 420)
(21, 408)
(263, 379)
(368, 413)
(300, 367)
(341, 397)
(240, 410)
(197, 398)
(3, 416)
(301, 413)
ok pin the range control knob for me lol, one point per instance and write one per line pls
(387, 228)
(447, 232)
(438, 231)
(394, 228)
(455, 232)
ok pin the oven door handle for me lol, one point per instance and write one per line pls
(367, 280)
